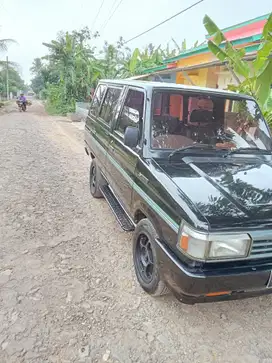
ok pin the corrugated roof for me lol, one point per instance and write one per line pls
(204, 47)
(244, 23)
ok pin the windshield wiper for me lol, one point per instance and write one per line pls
(195, 146)
(247, 150)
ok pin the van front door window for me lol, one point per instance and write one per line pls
(132, 112)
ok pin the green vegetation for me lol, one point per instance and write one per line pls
(73, 66)
(15, 81)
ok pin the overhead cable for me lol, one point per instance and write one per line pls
(165, 21)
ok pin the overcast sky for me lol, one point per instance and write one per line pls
(32, 22)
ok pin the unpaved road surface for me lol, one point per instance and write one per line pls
(67, 286)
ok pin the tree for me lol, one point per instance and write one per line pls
(43, 75)
(70, 69)
(139, 60)
(36, 66)
(72, 58)
(15, 81)
(179, 49)
(150, 57)
(4, 44)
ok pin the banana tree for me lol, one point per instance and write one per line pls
(254, 80)
(74, 61)
(139, 60)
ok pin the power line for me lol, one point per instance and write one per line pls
(114, 11)
(165, 21)
(94, 21)
(113, 5)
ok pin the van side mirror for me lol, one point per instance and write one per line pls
(131, 137)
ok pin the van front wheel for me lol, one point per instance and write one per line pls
(146, 263)
(96, 180)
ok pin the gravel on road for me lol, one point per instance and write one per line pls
(67, 286)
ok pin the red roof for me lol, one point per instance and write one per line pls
(245, 31)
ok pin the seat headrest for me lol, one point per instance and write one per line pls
(200, 116)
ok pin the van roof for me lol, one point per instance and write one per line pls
(166, 85)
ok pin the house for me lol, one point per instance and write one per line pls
(198, 66)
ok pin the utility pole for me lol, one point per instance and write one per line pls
(7, 80)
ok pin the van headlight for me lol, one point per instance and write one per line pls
(223, 246)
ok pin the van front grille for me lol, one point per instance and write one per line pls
(261, 249)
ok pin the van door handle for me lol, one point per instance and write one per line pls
(111, 148)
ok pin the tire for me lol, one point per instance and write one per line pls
(96, 180)
(144, 253)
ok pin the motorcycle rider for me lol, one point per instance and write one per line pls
(22, 99)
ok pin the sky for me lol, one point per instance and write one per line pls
(31, 22)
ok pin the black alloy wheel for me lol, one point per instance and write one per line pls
(96, 180)
(146, 263)
(93, 178)
(144, 258)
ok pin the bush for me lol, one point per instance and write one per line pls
(57, 101)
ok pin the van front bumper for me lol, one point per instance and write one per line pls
(192, 286)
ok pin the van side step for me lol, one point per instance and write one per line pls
(117, 209)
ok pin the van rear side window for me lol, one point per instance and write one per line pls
(109, 104)
(97, 100)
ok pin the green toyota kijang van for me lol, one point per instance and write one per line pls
(188, 171)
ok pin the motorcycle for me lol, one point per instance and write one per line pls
(22, 106)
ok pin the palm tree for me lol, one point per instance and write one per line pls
(4, 44)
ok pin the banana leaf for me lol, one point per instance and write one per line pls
(235, 57)
(213, 30)
(263, 84)
(267, 30)
(217, 51)
(134, 60)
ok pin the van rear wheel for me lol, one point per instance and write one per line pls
(96, 180)
(146, 263)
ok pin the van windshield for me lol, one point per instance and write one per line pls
(181, 120)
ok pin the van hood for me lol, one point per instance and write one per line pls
(226, 191)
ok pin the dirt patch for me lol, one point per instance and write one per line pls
(67, 287)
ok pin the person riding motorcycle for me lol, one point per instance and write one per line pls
(22, 99)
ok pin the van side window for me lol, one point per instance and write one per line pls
(132, 112)
(97, 100)
(109, 104)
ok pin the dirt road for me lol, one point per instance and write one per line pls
(67, 286)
